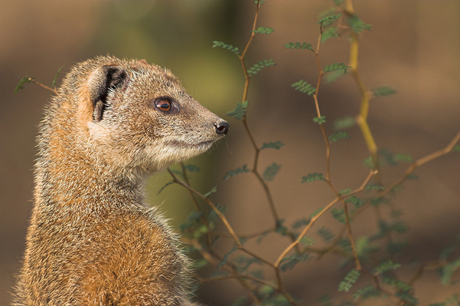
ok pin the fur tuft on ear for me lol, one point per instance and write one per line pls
(101, 81)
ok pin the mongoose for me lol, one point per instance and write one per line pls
(91, 239)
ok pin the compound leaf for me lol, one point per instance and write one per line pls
(233, 173)
(320, 120)
(221, 44)
(239, 111)
(366, 292)
(349, 280)
(263, 30)
(192, 168)
(272, 145)
(298, 45)
(271, 171)
(355, 201)
(23, 81)
(336, 67)
(326, 234)
(55, 77)
(383, 91)
(385, 266)
(166, 185)
(357, 25)
(260, 65)
(226, 256)
(313, 177)
(304, 87)
(337, 136)
(213, 189)
(328, 20)
(344, 123)
(329, 33)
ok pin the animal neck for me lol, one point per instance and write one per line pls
(73, 180)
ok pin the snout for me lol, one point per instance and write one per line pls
(222, 127)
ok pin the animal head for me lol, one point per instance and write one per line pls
(135, 115)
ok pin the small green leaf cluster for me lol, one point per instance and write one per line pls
(298, 45)
(355, 201)
(271, 171)
(383, 91)
(239, 111)
(260, 65)
(233, 173)
(326, 234)
(264, 30)
(207, 194)
(22, 82)
(221, 44)
(339, 214)
(337, 136)
(344, 123)
(304, 87)
(313, 177)
(349, 280)
(329, 33)
(366, 292)
(291, 261)
(320, 120)
(386, 266)
(336, 67)
(53, 83)
(272, 145)
(357, 25)
(329, 20)
(226, 257)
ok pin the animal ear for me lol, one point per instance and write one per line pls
(101, 82)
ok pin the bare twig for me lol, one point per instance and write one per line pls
(43, 86)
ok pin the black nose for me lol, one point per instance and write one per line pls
(222, 127)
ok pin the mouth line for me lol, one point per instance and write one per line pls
(203, 144)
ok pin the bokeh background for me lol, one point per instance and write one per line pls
(414, 46)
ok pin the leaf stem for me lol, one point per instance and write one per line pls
(43, 86)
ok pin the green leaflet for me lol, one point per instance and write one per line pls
(366, 292)
(385, 266)
(55, 77)
(213, 189)
(23, 81)
(383, 91)
(239, 111)
(320, 120)
(264, 30)
(344, 123)
(336, 67)
(226, 256)
(312, 177)
(233, 173)
(166, 185)
(298, 45)
(349, 280)
(304, 87)
(357, 25)
(272, 145)
(260, 65)
(355, 201)
(326, 234)
(337, 136)
(328, 20)
(221, 44)
(329, 33)
(271, 171)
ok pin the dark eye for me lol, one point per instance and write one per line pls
(163, 104)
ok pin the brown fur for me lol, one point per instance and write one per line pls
(92, 240)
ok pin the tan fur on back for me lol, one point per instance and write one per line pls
(92, 240)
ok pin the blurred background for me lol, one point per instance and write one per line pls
(414, 46)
